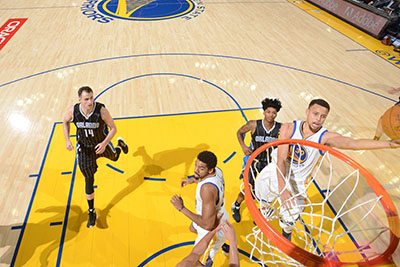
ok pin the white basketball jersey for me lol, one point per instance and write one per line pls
(304, 157)
(218, 181)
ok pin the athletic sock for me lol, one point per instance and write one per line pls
(91, 204)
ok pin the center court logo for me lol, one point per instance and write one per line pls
(104, 11)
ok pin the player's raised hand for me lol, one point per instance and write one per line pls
(177, 202)
(186, 182)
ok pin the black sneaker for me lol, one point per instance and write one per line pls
(225, 249)
(236, 212)
(122, 144)
(287, 236)
(92, 218)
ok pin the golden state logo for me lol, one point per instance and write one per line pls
(297, 154)
(104, 11)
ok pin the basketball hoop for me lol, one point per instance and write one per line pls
(345, 218)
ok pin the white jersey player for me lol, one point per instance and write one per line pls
(271, 182)
(209, 203)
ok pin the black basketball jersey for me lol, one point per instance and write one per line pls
(261, 136)
(91, 128)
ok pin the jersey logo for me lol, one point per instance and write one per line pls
(297, 154)
(146, 10)
(264, 139)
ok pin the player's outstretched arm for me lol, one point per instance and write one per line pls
(343, 142)
(249, 126)
(198, 250)
(67, 126)
(285, 133)
(233, 250)
(208, 219)
(106, 116)
(187, 181)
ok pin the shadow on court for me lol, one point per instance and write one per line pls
(42, 233)
(152, 166)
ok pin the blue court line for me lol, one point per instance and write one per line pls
(33, 175)
(155, 255)
(313, 240)
(55, 223)
(178, 114)
(155, 179)
(72, 184)
(215, 56)
(233, 154)
(184, 113)
(174, 74)
(65, 173)
(32, 198)
(73, 135)
(64, 230)
(16, 227)
(252, 258)
(339, 219)
(115, 169)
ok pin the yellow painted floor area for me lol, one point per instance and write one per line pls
(136, 219)
(137, 225)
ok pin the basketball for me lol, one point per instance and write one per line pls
(391, 123)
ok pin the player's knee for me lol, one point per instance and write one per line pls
(89, 189)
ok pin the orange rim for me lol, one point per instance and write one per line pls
(301, 255)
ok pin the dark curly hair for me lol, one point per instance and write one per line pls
(273, 103)
(208, 158)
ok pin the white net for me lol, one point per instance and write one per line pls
(334, 212)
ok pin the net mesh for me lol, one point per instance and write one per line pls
(334, 213)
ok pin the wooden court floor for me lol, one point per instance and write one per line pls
(176, 84)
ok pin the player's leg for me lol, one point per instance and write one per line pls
(200, 234)
(88, 166)
(205, 259)
(290, 215)
(218, 240)
(288, 219)
(266, 189)
(114, 154)
(122, 145)
(236, 205)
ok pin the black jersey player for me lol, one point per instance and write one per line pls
(91, 119)
(262, 132)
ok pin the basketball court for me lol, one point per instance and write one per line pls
(179, 78)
